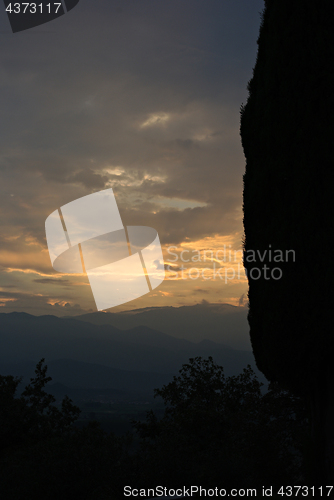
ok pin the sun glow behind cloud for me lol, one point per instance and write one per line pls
(155, 119)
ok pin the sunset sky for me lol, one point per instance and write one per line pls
(142, 96)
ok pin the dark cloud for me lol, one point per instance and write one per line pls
(53, 281)
(174, 225)
(89, 179)
(201, 291)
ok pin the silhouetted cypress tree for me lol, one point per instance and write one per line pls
(288, 139)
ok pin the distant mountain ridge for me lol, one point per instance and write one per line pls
(82, 355)
(221, 323)
(23, 336)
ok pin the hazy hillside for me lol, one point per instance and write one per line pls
(221, 323)
(88, 379)
(26, 337)
(87, 357)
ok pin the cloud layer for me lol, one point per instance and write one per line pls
(142, 97)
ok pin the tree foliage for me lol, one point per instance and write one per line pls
(33, 416)
(43, 455)
(221, 430)
(215, 431)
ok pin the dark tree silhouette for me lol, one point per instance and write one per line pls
(287, 135)
(33, 416)
(43, 455)
(211, 427)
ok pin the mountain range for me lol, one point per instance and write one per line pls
(221, 323)
(82, 356)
